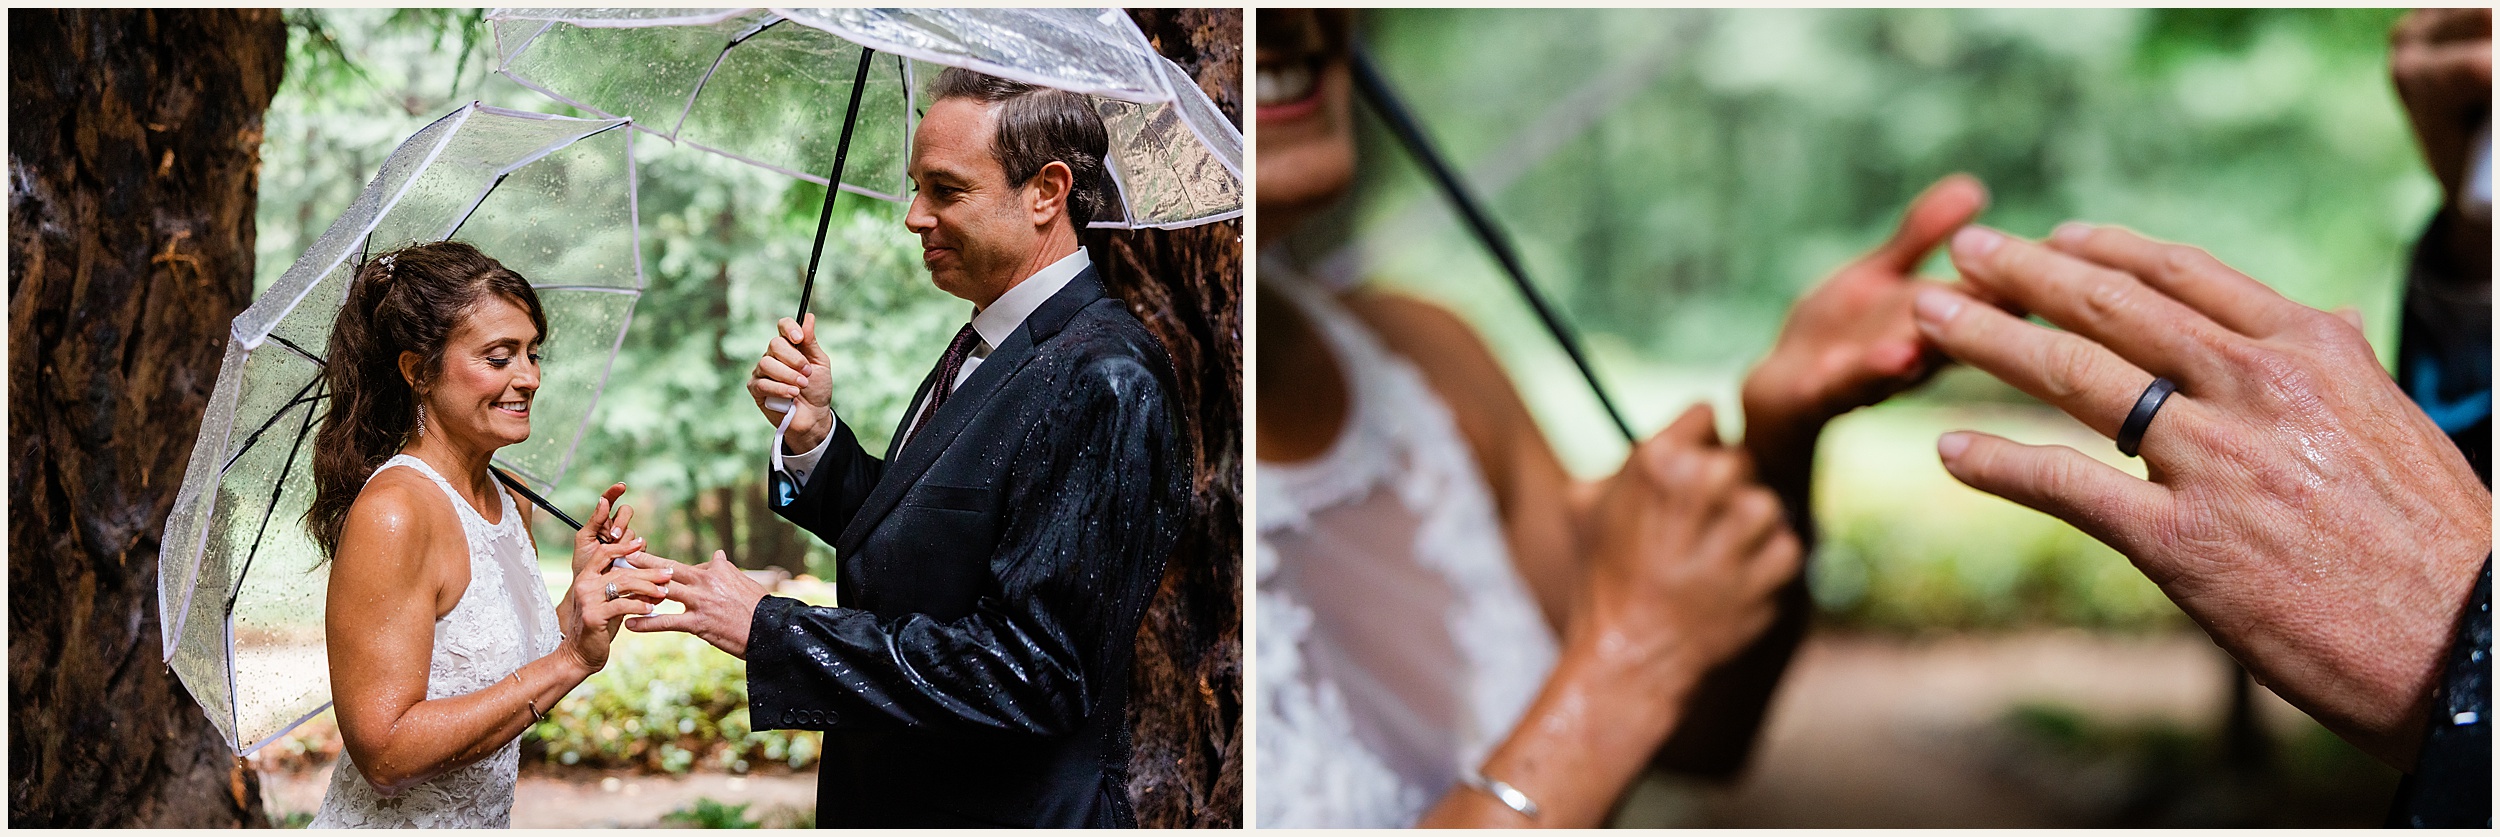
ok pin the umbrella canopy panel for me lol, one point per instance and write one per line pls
(242, 583)
(768, 87)
(755, 87)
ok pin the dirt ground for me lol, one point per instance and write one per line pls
(621, 801)
(1891, 732)
(1867, 731)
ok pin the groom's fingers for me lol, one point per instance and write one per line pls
(2113, 308)
(662, 622)
(781, 354)
(807, 342)
(2059, 481)
(774, 369)
(2189, 274)
(2070, 373)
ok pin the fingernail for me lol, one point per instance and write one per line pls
(2070, 232)
(1975, 241)
(1951, 445)
(1937, 305)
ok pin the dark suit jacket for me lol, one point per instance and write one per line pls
(992, 576)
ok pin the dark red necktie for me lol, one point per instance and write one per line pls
(947, 369)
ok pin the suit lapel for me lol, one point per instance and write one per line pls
(906, 463)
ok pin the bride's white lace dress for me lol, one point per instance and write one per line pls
(1397, 643)
(503, 620)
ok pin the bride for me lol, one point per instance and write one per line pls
(443, 647)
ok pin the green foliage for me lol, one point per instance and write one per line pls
(710, 813)
(1673, 179)
(666, 703)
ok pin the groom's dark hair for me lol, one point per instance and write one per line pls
(1037, 125)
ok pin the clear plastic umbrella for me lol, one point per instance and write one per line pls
(242, 585)
(766, 86)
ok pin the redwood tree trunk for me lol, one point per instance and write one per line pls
(1185, 691)
(134, 147)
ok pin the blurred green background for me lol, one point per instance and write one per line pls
(1674, 179)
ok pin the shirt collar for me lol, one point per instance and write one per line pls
(1009, 311)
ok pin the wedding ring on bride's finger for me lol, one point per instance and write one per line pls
(613, 593)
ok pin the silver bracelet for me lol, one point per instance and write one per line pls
(1501, 790)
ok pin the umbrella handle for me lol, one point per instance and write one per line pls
(540, 502)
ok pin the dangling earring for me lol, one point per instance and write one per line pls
(420, 419)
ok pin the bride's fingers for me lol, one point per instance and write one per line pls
(624, 518)
(605, 614)
(662, 622)
(629, 585)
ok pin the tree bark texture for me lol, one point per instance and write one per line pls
(134, 148)
(1185, 690)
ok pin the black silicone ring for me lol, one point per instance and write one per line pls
(2131, 431)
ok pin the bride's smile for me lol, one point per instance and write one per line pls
(487, 393)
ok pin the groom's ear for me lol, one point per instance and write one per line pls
(1050, 192)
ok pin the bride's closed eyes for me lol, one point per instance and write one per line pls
(500, 361)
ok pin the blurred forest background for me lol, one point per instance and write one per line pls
(1674, 179)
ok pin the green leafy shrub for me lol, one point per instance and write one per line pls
(711, 813)
(666, 703)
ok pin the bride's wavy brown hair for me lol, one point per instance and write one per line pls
(406, 300)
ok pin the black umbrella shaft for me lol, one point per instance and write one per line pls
(833, 182)
(538, 501)
(1392, 110)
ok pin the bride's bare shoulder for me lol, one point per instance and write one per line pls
(399, 512)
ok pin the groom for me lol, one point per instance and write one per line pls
(996, 561)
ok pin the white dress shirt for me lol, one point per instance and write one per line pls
(1003, 316)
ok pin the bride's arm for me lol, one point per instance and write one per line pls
(1686, 556)
(388, 585)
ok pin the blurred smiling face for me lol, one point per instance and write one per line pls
(1305, 112)
(489, 376)
(976, 229)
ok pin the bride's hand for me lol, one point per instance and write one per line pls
(603, 595)
(1688, 555)
(608, 534)
(1850, 342)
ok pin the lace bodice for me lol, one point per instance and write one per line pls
(503, 620)
(1397, 643)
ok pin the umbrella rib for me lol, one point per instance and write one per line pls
(254, 439)
(717, 60)
(606, 289)
(267, 513)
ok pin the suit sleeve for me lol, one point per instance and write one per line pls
(1091, 509)
(836, 488)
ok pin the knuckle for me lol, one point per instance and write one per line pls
(2180, 261)
(2064, 365)
(2107, 296)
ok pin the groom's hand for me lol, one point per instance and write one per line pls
(720, 604)
(795, 368)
